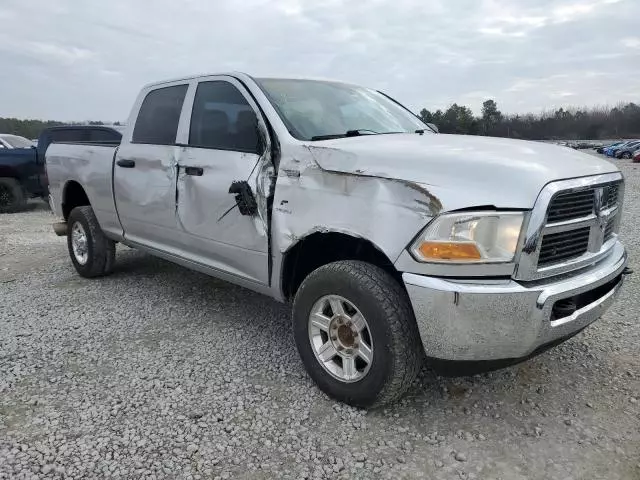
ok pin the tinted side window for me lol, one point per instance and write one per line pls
(223, 119)
(158, 118)
(69, 135)
(105, 136)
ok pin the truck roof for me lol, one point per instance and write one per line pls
(118, 128)
(191, 77)
(240, 75)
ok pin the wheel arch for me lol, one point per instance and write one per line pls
(320, 248)
(73, 195)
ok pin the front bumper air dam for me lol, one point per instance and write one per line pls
(464, 320)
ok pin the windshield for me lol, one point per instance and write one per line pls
(17, 142)
(313, 109)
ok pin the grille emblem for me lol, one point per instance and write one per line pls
(598, 199)
(602, 221)
(602, 216)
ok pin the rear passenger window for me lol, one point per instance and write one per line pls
(223, 119)
(157, 121)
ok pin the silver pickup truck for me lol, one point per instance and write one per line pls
(392, 242)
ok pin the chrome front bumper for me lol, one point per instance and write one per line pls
(475, 320)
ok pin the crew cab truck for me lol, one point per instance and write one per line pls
(22, 172)
(393, 243)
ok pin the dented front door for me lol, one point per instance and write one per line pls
(222, 148)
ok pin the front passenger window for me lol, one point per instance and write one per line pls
(222, 119)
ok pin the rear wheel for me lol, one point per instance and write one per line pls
(626, 155)
(12, 197)
(356, 333)
(91, 252)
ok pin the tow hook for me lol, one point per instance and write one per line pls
(60, 228)
(627, 271)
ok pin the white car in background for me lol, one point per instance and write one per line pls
(14, 141)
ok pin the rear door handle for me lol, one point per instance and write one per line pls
(195, 171)
(125, 163)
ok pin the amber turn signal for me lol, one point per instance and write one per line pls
(449, 251)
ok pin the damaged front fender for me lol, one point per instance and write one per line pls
(309, 199)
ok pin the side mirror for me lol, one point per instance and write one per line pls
(433, 127)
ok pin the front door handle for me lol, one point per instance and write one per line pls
(125, 163)
(194, 171)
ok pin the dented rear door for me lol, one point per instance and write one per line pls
(223, 149)
(145, 170)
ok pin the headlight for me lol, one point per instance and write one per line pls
(471, 237)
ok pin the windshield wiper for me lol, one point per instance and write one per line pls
(328, 137)
(348, 133)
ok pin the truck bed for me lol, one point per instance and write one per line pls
(91, 166)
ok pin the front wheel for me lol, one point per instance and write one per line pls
(356, 333)
(91, 252)
(626, 155)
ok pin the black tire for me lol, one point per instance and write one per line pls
(101, 251)
(397, 353)
(12, 197)
(626, 155)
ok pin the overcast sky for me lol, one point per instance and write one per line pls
(84, 59)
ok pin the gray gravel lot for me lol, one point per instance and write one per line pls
(160, 372)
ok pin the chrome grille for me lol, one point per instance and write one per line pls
(573, 224)
(561, 246)
(595, 206)
(608, 231)
(611, 198)
(570, 205)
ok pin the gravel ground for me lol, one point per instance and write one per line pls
(160, 372)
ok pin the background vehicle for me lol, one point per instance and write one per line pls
(391, 241)
(627, 150)
(22, 172)
(636, 156)
(603, 147)
(14, 141)
(608, 150)
(611, 151)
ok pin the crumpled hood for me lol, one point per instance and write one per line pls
(461, 170)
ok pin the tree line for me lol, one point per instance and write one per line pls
(622, 121)
(31, 128)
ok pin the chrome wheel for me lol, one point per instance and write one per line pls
(340, 338)
(79, 243)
